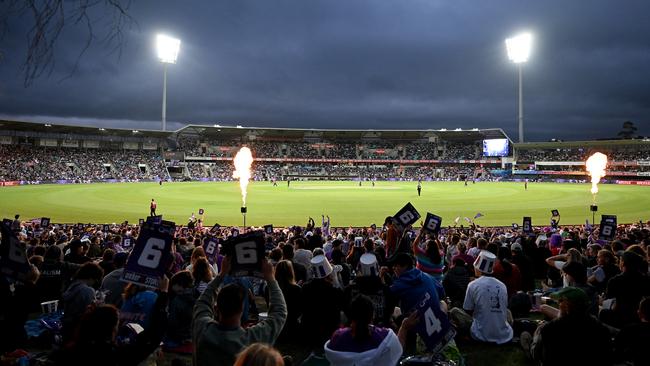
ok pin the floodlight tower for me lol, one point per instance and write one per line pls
(167, 53)
(518, 48)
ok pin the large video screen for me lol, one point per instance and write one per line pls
(496, 147)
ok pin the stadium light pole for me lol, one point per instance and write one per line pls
(167, 53)
(518, 48)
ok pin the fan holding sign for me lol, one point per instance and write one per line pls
(417, 291)
(151, 255)
(247, 253)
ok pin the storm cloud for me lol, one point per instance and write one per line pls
(351, 64)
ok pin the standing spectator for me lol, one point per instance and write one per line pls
(218, 341)
(485, 304)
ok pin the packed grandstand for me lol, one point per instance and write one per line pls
(40, 153)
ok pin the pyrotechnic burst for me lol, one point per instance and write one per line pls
(596, 165)
(243, 161)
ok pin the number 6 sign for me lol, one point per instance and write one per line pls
(432, 223)
(246, 253)
(406, 216)
(150, 257)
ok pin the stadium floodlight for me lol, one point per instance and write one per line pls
(167, 53)
(518, 48)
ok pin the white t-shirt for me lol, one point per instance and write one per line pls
(488, 298)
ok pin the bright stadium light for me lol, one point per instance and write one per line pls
(518, 48)
(167, 53)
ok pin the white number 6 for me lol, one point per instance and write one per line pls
(152, 253)
(246, 253)
(406, 217)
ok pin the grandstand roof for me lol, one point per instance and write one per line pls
(79, 130)
(229, 132)
(218, 131)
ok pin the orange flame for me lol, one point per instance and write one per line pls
(596, 165)
(243, 161)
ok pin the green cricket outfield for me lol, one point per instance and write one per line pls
(345, 202)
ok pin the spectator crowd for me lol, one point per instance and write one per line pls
(339, 295)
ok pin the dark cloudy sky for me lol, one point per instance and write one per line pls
(351, 64)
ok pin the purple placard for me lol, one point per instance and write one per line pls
(150, 256)
(434, 327)
(211, 248)
(14, 262)
(246, 253)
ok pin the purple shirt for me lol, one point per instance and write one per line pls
(342, 340)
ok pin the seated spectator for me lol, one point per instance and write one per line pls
(202, 275)
(576, 276)
(77, 253)
(181, 304)
(55, 274)
(605, 269)
(107, 261)
(19, 299)
(485, 307)
(138, 305)
(362, 342)
(293, 297)
(112, 284)
(630, 343)
(589, 339)
(627, 289)
(78, 296)
(368, 283)
(299, 270)
(218, 341)
(429, 258)
(322, 306)
(96, 339)
(456, 281)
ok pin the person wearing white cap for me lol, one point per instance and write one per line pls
(486, 311)
(369, 283)
(302, 255)
(323, 303)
